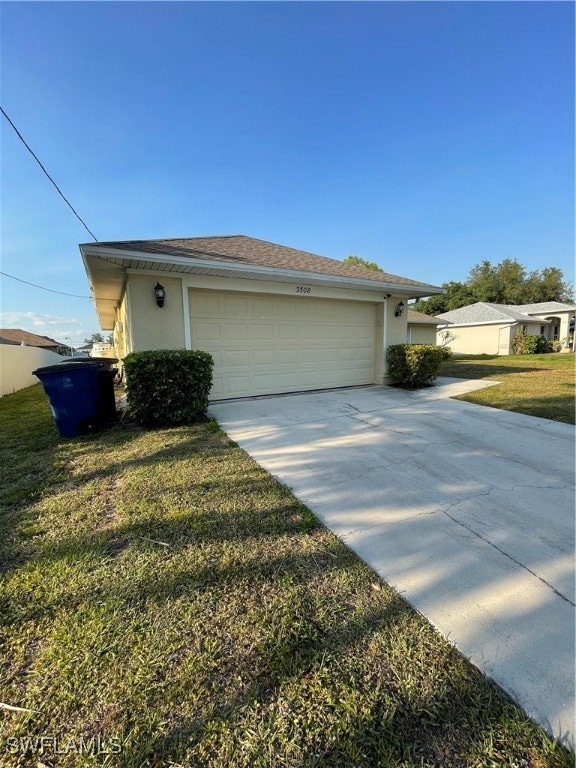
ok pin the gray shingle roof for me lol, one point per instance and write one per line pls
(484, 312)
(241, 249)
(544, 307)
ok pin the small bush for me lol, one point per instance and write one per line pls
(529, 344)
(166, 386)
(414, 365)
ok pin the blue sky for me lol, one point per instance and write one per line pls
(424, 136)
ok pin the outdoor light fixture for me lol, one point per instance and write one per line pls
(160, 294)
(399, 309)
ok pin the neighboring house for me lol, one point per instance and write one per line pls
(484, 328)
(274, 318)
(18, 336)
(422, 328)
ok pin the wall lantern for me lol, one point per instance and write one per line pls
(160, 294)
(399, 309)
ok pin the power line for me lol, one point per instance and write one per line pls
(74, 295)
(50, 178)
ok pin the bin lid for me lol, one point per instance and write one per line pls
(100, 361)
(104, 360)
(77, 364)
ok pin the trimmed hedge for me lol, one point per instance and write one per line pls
(168, 386)
(414, 365)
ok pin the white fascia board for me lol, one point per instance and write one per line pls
(449, 324)
(400, 289)
(509, 323)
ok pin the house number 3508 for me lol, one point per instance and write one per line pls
(303, 289)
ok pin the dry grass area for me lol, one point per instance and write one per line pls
(538, 385)
(165, 602)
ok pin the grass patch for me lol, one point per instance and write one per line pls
(163, 595)
(538, 385)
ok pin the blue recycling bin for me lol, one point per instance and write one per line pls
(74, 392)
(107, 372)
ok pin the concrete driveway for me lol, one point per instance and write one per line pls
(467, 511)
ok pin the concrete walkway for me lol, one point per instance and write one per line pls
(467, 511)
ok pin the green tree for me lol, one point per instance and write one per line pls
(455, 295)
(511, 278)
(484, 283)
(505, 283)
(94, 339)
(360, 262)
(548, 285)
(97, 338)
(435, 305)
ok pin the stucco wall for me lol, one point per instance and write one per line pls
(489, 339)
(122, 330)
(396, 327)
(153, 327)
(480, 340)
(17, 364)
(421, 334)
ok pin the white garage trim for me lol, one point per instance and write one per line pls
(266, 344)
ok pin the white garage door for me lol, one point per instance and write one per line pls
(264, 344)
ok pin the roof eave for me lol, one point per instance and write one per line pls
(128, 259)
(509, 321)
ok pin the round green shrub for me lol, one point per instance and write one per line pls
(414, 365)
(168, 386)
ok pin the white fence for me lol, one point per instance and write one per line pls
(17, 364)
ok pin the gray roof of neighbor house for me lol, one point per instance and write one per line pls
(545, 307)
(233, 256)
(484, 312)
(420, 318)
(17, 336)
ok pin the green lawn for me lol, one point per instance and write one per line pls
(539, 385)
(166, 600)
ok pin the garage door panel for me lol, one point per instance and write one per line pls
(261, 332)
(287, 332)
(234, 306)
(347, 353)
(284, 310)
(217, 387)
(207, 332)
(309, 310)
(308, 355)
(264, 344)
(363, 373)
(262, 308)
(237, 385)
(263, 357)
(264, 382)
(234, 332)
(237, 358)
(364, 333)
(364, 354)
(348, 377)
(207, 306)
(291, 356)
(217, 356)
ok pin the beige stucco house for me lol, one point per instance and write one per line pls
(274, 318)
(484, 328)
(422, 329)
